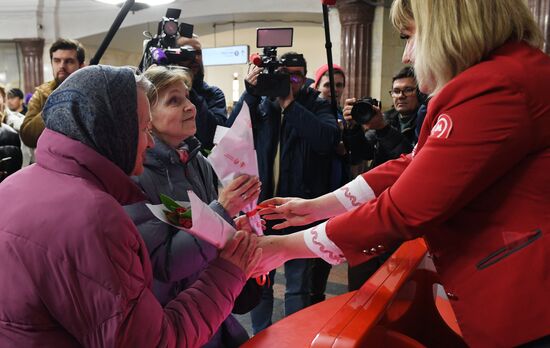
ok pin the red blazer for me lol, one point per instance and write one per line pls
(478, 190)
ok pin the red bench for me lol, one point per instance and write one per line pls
(401, 305)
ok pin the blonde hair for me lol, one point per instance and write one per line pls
(163, 76)
(453, 35)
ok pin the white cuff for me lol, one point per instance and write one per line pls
(354, 193)
(318, 242)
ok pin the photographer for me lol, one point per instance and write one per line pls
(294, 136)
(209, 100)
(385, 137)
(380, 139)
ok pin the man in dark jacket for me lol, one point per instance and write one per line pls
(386, 136)
(294, 137)
(383, 138)
(209, 100)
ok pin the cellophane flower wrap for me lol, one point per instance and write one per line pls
(205, 223)
(234, 155)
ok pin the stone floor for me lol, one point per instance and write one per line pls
(337, 284)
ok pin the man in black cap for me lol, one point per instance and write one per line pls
(295, 137)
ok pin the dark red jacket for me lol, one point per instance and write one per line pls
(74, 271)
(478, 189)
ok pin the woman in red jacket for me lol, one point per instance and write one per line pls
(476, 187)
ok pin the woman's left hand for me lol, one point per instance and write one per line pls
(239, 193)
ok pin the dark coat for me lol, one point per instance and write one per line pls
(384, 144)
(177, 257)
(10, 147)
(309, 134)
(211, 111)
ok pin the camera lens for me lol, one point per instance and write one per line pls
(170, 28)
(362, 111)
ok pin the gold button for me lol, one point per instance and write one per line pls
(452, 296)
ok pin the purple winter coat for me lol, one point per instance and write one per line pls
(74, 271)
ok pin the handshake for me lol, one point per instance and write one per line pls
(257, 255)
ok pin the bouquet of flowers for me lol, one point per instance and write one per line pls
(175, 213)
(204, 223)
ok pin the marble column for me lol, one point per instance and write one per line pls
(32, 50)
(541, 12)
(356, 18)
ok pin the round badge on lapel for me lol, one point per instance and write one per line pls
(442, 127)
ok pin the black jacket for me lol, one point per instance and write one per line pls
(11, 157)
(211, 111)
(178, 257)
(381, 145)
(309, 134)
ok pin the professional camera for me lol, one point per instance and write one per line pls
(161, 49)
(272, 83)
(362, 111)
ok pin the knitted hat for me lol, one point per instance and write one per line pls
(323, 69)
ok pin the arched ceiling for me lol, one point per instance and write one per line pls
(79, 18)
(130, 37)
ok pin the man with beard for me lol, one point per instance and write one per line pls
(67, 56)
(209, 100)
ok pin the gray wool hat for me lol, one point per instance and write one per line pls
(97, 105)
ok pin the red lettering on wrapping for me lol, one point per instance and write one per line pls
(235, 160)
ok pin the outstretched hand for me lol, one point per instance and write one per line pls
(276, 250)
(243, 251)
(295, 211)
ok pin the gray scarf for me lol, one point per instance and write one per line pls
(97, 105)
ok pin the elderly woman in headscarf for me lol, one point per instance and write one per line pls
(75, 270)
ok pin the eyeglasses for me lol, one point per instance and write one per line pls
(407, 91)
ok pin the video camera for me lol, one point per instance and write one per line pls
(162, 48)
(272, 83)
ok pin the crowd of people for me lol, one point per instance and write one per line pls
(460, 160)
